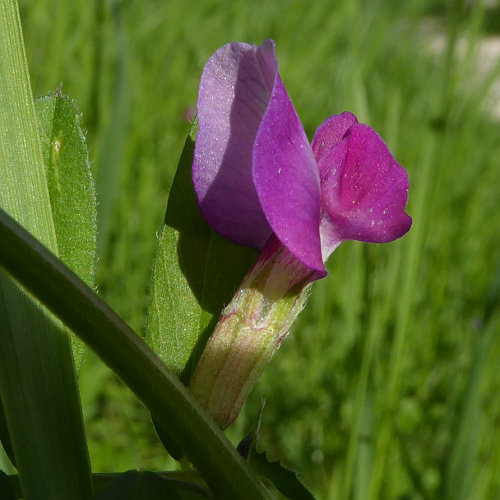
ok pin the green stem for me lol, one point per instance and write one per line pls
(249, 331)
(61, 291)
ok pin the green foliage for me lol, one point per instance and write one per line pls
(60, 290)
(195, 274)
(5, 438)
(70, 182)
(283, 479)
(145, 485)
(410, 312)
(40, 404)
(286, 481)
(71, 189)
(7, 491)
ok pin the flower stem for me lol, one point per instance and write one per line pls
(250, 330)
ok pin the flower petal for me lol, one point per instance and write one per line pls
(286, 177)
(235, 90)
(365, 193)
(329, 134)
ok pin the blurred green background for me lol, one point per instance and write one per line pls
(388, 387)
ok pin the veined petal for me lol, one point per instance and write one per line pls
(365, 194)
(286, 178)
(234, 94)
(328, 135)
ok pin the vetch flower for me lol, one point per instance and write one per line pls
(261, 183)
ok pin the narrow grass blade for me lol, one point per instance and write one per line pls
(112, 146)
(59, 289)
(410, 265)
(468, 423)
(359, 460)
(5, 463)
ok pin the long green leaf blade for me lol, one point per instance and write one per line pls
(59, 289)
(37, 380)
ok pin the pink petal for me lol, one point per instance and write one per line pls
(365, 193)
(329, 134)
(286, 177)
(235, 90)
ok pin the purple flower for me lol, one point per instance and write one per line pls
(260, 183)
(256, 174)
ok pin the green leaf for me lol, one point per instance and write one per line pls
(196, 272)
(168, 442)
(70, 182)
(37, 379)
(285, 480)
(71, 189)
(7, 491)
(146, 485)
(4, 436)
(173, 406)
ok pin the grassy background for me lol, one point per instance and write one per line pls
(388, 387)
